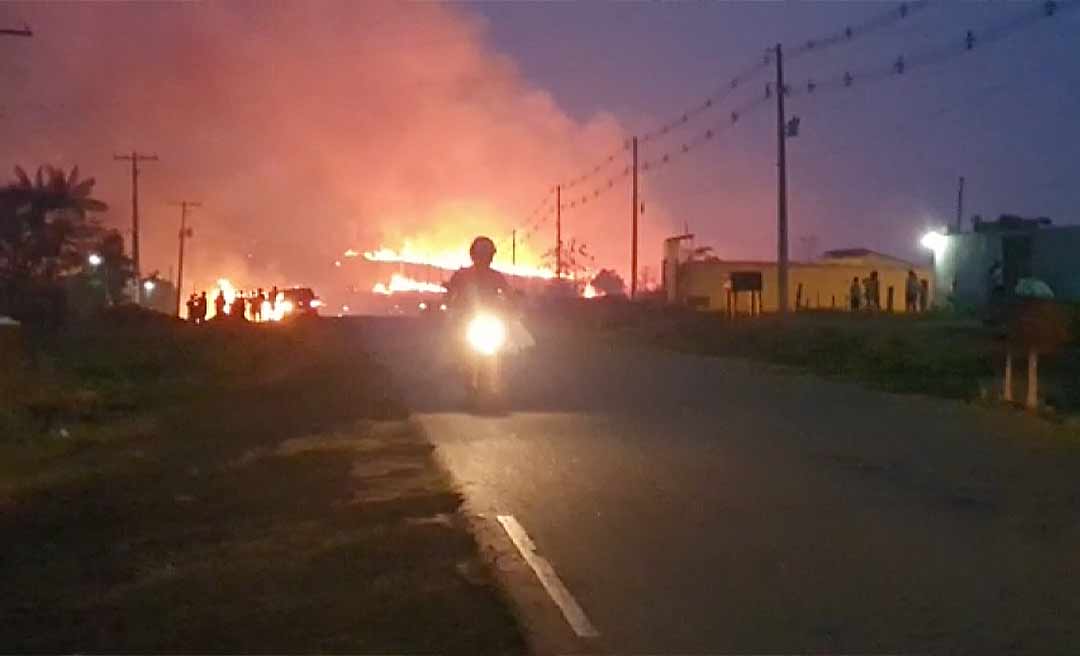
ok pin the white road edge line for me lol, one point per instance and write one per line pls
(573, 613)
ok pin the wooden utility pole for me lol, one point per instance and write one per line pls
(781, 200)
(633, 226)
(960, 206)
(135, 158)
(558, 232)
(185, 233)
(513, 247)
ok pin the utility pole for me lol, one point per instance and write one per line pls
(513, 247)
(135, 158)
(781, 201)
(185, 233)
(633, 227)
(960, 206)
(558, 232)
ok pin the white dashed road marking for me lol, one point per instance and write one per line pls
(573, 613)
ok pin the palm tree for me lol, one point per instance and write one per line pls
(43, 220)
(45, 223)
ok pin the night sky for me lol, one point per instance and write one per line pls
(873, 165)
(308, 128)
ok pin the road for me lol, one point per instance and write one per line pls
(707, 505)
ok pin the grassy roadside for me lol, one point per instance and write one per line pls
(230, 490)
(938, 358)
(935, 355)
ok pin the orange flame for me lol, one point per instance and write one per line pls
(402, 283)
(448, 260)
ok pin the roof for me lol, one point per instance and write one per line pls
(854, 257)
(848, 252)
(842, 255)
(1010, 222)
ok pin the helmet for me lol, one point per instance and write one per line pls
(482, 249)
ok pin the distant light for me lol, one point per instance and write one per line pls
(316, 303)
(95, 260)
(423, 305)
(337, 263)
(442, 307)
(934, 241)
(344, 308)
(149, 286)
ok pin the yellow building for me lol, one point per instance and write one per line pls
(713, 284)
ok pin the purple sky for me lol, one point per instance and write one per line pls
(872, 166)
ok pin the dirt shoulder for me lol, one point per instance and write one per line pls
(269, 496)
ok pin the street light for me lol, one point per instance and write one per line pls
(95, 260)
(933, 241)
(148, 286)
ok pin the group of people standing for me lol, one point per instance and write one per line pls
(255, 305)
(865, 294)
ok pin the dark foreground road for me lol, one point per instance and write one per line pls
(707, 505)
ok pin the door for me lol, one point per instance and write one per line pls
(1016, 260)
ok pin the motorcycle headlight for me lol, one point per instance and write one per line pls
(486, 334)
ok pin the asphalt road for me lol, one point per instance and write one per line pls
(708, 505)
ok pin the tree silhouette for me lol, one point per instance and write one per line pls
(45, 229)
(608, 282)
(116, 269)
(576, 258)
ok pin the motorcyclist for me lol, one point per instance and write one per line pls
(479, 284)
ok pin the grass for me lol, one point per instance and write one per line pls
(234, 489)
(934, 354)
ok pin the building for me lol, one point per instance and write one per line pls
(968, 265)
(723, 285)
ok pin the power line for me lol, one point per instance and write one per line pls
(599, 166)
(944, 53)
(844, 35)
(966, 41)
(849, 33)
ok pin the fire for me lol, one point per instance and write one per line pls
(226, 288)
(450, 260)
(590, 291)
(272, 309)
(402, 283)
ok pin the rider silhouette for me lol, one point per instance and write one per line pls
(479, 283)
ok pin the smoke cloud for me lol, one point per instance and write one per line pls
(304, 129)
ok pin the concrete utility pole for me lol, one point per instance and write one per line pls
(135, 158)
(781, 200)
(558, 232)
(960, 206)
(633, 226)
(185, 233)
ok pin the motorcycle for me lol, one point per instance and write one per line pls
(485, 338)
